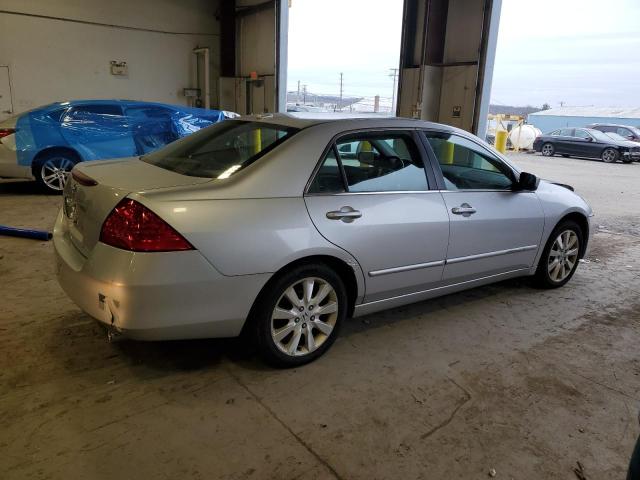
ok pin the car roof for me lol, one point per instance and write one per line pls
(608, 125)
(346, 121)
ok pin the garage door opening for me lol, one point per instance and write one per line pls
(344, 56)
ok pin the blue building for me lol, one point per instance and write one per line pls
(549, 120)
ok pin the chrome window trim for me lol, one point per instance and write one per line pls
(496, 253)
(485, 190)
(406, 268)
(394, 192)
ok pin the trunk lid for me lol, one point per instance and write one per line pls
(86, 207)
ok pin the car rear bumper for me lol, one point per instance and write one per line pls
(154, 296)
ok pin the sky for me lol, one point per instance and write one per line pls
(580, 52)
(360, 38)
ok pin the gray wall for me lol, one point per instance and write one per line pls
(56, 59)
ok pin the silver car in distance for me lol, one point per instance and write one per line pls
(282, 226)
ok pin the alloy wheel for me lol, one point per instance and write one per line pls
(54, 172)
(563, 255)
(304, 317)
(609, 155)
(547, 150)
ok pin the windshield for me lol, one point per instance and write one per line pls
(220, 150)
(616, 137)
(603, 137)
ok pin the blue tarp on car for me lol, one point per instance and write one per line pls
(101, 129)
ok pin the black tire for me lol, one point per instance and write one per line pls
(548, 150)
(48, 170)
(610, 155)
(542, 277)
(260, 321)
(565, 155)
(627, 160)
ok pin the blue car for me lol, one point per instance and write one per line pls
(45, 143)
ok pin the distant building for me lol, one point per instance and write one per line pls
(549, 120)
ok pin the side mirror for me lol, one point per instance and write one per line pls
(631, 137)
(589, 139)
(527, 182)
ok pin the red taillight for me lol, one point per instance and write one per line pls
(132, 226)
(5, 132)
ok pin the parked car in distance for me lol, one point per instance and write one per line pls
(625, 131)
(268, 225)
(45, 143)
(586, 142)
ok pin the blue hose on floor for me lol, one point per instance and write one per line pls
(26, 233)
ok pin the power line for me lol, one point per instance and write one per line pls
(341, 85)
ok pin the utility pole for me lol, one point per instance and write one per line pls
(304, 94)
(298, 96)
(394, 74)
(340, 102)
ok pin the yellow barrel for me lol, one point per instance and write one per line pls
(501, 140)
(446, 152)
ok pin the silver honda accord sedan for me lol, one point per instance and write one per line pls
(282, 226)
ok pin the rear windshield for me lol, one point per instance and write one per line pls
(220, 150)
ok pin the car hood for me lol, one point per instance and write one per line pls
(627, 143)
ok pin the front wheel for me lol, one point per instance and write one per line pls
(298, 317)
(559, 259)
(548, 150)
(52, 171)
(610, 155)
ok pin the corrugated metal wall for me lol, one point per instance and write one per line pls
(548, 123)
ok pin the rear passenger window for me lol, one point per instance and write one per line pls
(582, 134)
(328, 178)
(371, 163)
(384, 163)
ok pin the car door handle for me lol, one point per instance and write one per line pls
(346, 214)
(465, 210)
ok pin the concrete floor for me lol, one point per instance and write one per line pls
(505, 377)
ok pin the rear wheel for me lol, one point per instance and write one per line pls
(52, 170)
(610, 155)
(298, 317)
(560, 256)
(548, 150)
